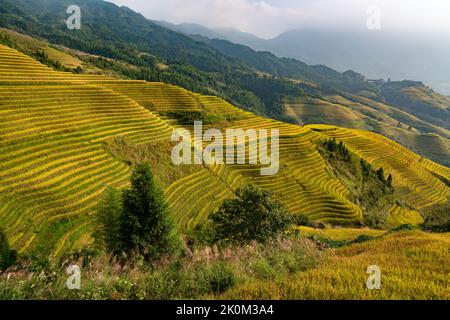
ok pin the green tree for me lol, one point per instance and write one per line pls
(146, 225)
(253, 215)
(389, 181)
(366, 168)
(109, 210)
(380, 175)
(7, 256)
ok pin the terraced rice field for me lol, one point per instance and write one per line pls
(320, 111)
(54, 166)
(398, 216)
(53, 163)
(339, 233)
(423, 183)
(303, 184)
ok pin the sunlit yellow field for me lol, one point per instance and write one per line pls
(414, 265)
(339, 233)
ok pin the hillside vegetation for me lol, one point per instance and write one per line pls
(65, 137)
(414, 265)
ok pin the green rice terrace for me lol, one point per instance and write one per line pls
(65, 137)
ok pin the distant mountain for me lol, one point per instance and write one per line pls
(230, 34)
(191, 29)
(374, 54)
(291, 68)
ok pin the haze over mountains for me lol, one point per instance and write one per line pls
(376, 54)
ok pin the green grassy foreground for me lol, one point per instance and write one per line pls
(414, 265)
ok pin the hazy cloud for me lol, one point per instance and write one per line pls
(269, 18)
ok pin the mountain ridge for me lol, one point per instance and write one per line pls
(385, 55)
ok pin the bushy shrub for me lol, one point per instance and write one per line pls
(362, 238)
(301, 220)
(338, 148)
(252, 215)
(189, 117)
(220, 277)
(332, 243)
(437, 218)
(201, 235)
(404, 227)
(214, 278)
(263, 269)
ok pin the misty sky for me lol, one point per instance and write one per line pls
(269, 18)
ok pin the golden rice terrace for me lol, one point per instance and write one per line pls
(55, 163)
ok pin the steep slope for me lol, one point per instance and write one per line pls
(314, 110)
(420, 186)
(60, 133)
(65, 58)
